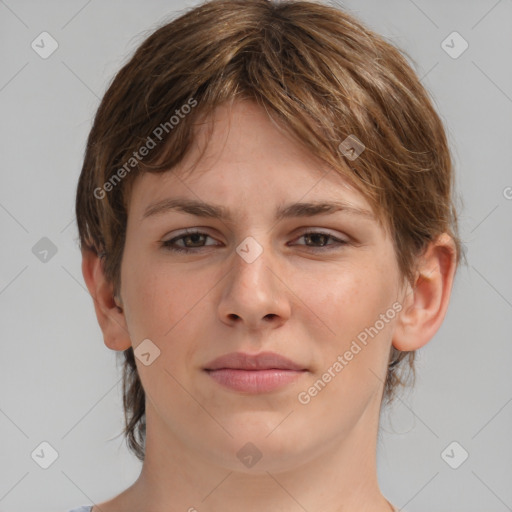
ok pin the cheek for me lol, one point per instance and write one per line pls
(356, 304)
(353, 297)
(158, 296)
(168, 306)
(354, 349)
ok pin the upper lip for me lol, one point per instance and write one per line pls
(261, 361)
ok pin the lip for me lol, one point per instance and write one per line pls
(254, 373)
(261, 361)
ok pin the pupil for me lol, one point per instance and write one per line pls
(194, 237)
(314, 237)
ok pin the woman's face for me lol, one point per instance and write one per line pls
(255, 283)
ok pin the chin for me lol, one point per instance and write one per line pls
(256, 450)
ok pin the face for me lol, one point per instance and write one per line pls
(317, 287)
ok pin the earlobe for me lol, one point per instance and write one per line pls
(425, 305)
(109, 310)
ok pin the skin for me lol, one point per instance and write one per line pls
(304, 297)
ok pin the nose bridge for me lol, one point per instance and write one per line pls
(253, 291)
(251, 267)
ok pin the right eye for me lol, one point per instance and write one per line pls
(196, 237)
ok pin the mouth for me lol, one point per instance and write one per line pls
(258, 373)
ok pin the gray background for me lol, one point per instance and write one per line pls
(60, 384)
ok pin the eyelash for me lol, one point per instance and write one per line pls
(168, 244)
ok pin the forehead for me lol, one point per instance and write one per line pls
(239, 154)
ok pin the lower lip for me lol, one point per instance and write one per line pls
(254, 381)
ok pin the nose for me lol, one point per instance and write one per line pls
(255, 294)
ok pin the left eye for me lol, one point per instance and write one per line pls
(316, 235)
(197, 237)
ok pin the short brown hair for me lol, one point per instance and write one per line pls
(324, 75)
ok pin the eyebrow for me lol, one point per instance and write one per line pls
(202, 209)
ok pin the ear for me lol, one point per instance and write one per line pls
(108, 309)
(425, 304)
